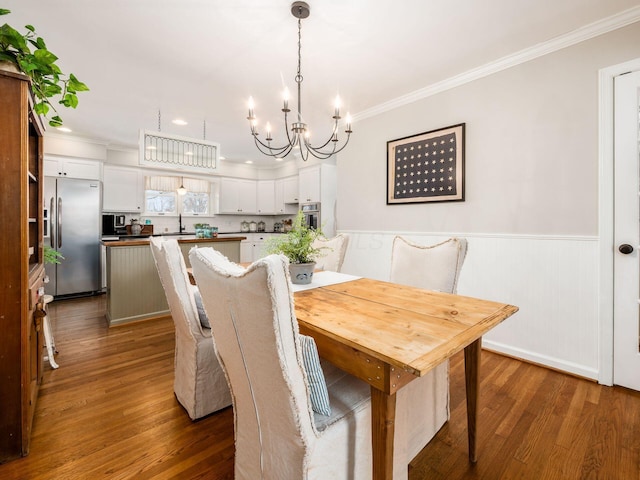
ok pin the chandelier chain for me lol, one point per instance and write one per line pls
(299, 75)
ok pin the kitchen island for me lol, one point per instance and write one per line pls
(134, 291)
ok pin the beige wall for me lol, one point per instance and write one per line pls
(531, 149)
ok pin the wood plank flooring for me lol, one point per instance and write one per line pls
(109, 412)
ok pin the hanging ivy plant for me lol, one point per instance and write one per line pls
(29, 53)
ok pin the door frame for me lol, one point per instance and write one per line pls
(606, 194)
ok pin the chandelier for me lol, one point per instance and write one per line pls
(298, 134)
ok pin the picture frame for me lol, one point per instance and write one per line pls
(427, 167)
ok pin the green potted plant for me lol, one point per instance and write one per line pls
(297, 246)
(28, 54)
(51, 256)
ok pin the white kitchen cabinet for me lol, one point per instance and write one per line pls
(266, 197)
(254, 247)
(123, 189)
(237, 196)
(290, 189)
(319, 184)
(309, 184)
(72, 168)
(246, 250)
(282, 206)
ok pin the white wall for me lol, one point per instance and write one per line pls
(531, 207)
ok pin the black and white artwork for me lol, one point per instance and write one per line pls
(428, 167)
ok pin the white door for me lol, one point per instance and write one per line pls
(626, 330)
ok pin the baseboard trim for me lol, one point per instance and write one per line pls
(542, 360)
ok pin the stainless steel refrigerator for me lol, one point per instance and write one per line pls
(72, 227)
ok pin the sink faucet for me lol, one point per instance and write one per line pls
(180, 227)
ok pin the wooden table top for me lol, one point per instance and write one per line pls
(408, 327)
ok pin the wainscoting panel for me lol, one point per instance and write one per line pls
(553, 280)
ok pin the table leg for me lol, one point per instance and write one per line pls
(383, 417)
(472, 383)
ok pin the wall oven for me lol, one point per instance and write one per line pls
(311, 213)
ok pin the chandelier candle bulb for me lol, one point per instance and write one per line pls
(337, 105)
(286, 97)
(251, 106)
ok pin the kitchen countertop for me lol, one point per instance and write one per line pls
(137, 241)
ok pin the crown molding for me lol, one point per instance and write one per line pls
(581, 34)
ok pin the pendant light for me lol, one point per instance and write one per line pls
(181, 189)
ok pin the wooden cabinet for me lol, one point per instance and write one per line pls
(266, 197)
(122, 190)
(72, 168)
(21, 263)
(237, 196)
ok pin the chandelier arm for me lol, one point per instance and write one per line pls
(331, 137)
(278, 150)
(271, 148)
(302, 151)
(286, 129)
(271, 152)
(324, 155)
(317, 152)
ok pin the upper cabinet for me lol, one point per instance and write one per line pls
(266, 197)
(237, 196)
(71, 168)
(309, 184)
(123, 189)
(290, 190)
(286, 195)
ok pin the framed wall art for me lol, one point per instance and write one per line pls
(428, 167)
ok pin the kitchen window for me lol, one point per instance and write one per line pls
(161, 196)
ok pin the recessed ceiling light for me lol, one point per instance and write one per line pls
(223, 158)
(64, 129)
(179, 121)
(249, 161)
(278, 159)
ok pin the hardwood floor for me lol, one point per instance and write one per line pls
(109, 412)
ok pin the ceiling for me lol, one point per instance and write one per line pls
(199, 60)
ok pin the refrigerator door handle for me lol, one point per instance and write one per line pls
(59, 222)
(51, 228)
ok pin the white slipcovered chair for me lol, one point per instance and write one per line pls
(434, 267)
(199, 384)
(277, 434)
(332, 252)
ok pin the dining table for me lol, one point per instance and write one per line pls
(388, 335)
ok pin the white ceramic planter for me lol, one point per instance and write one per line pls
(301, 273)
